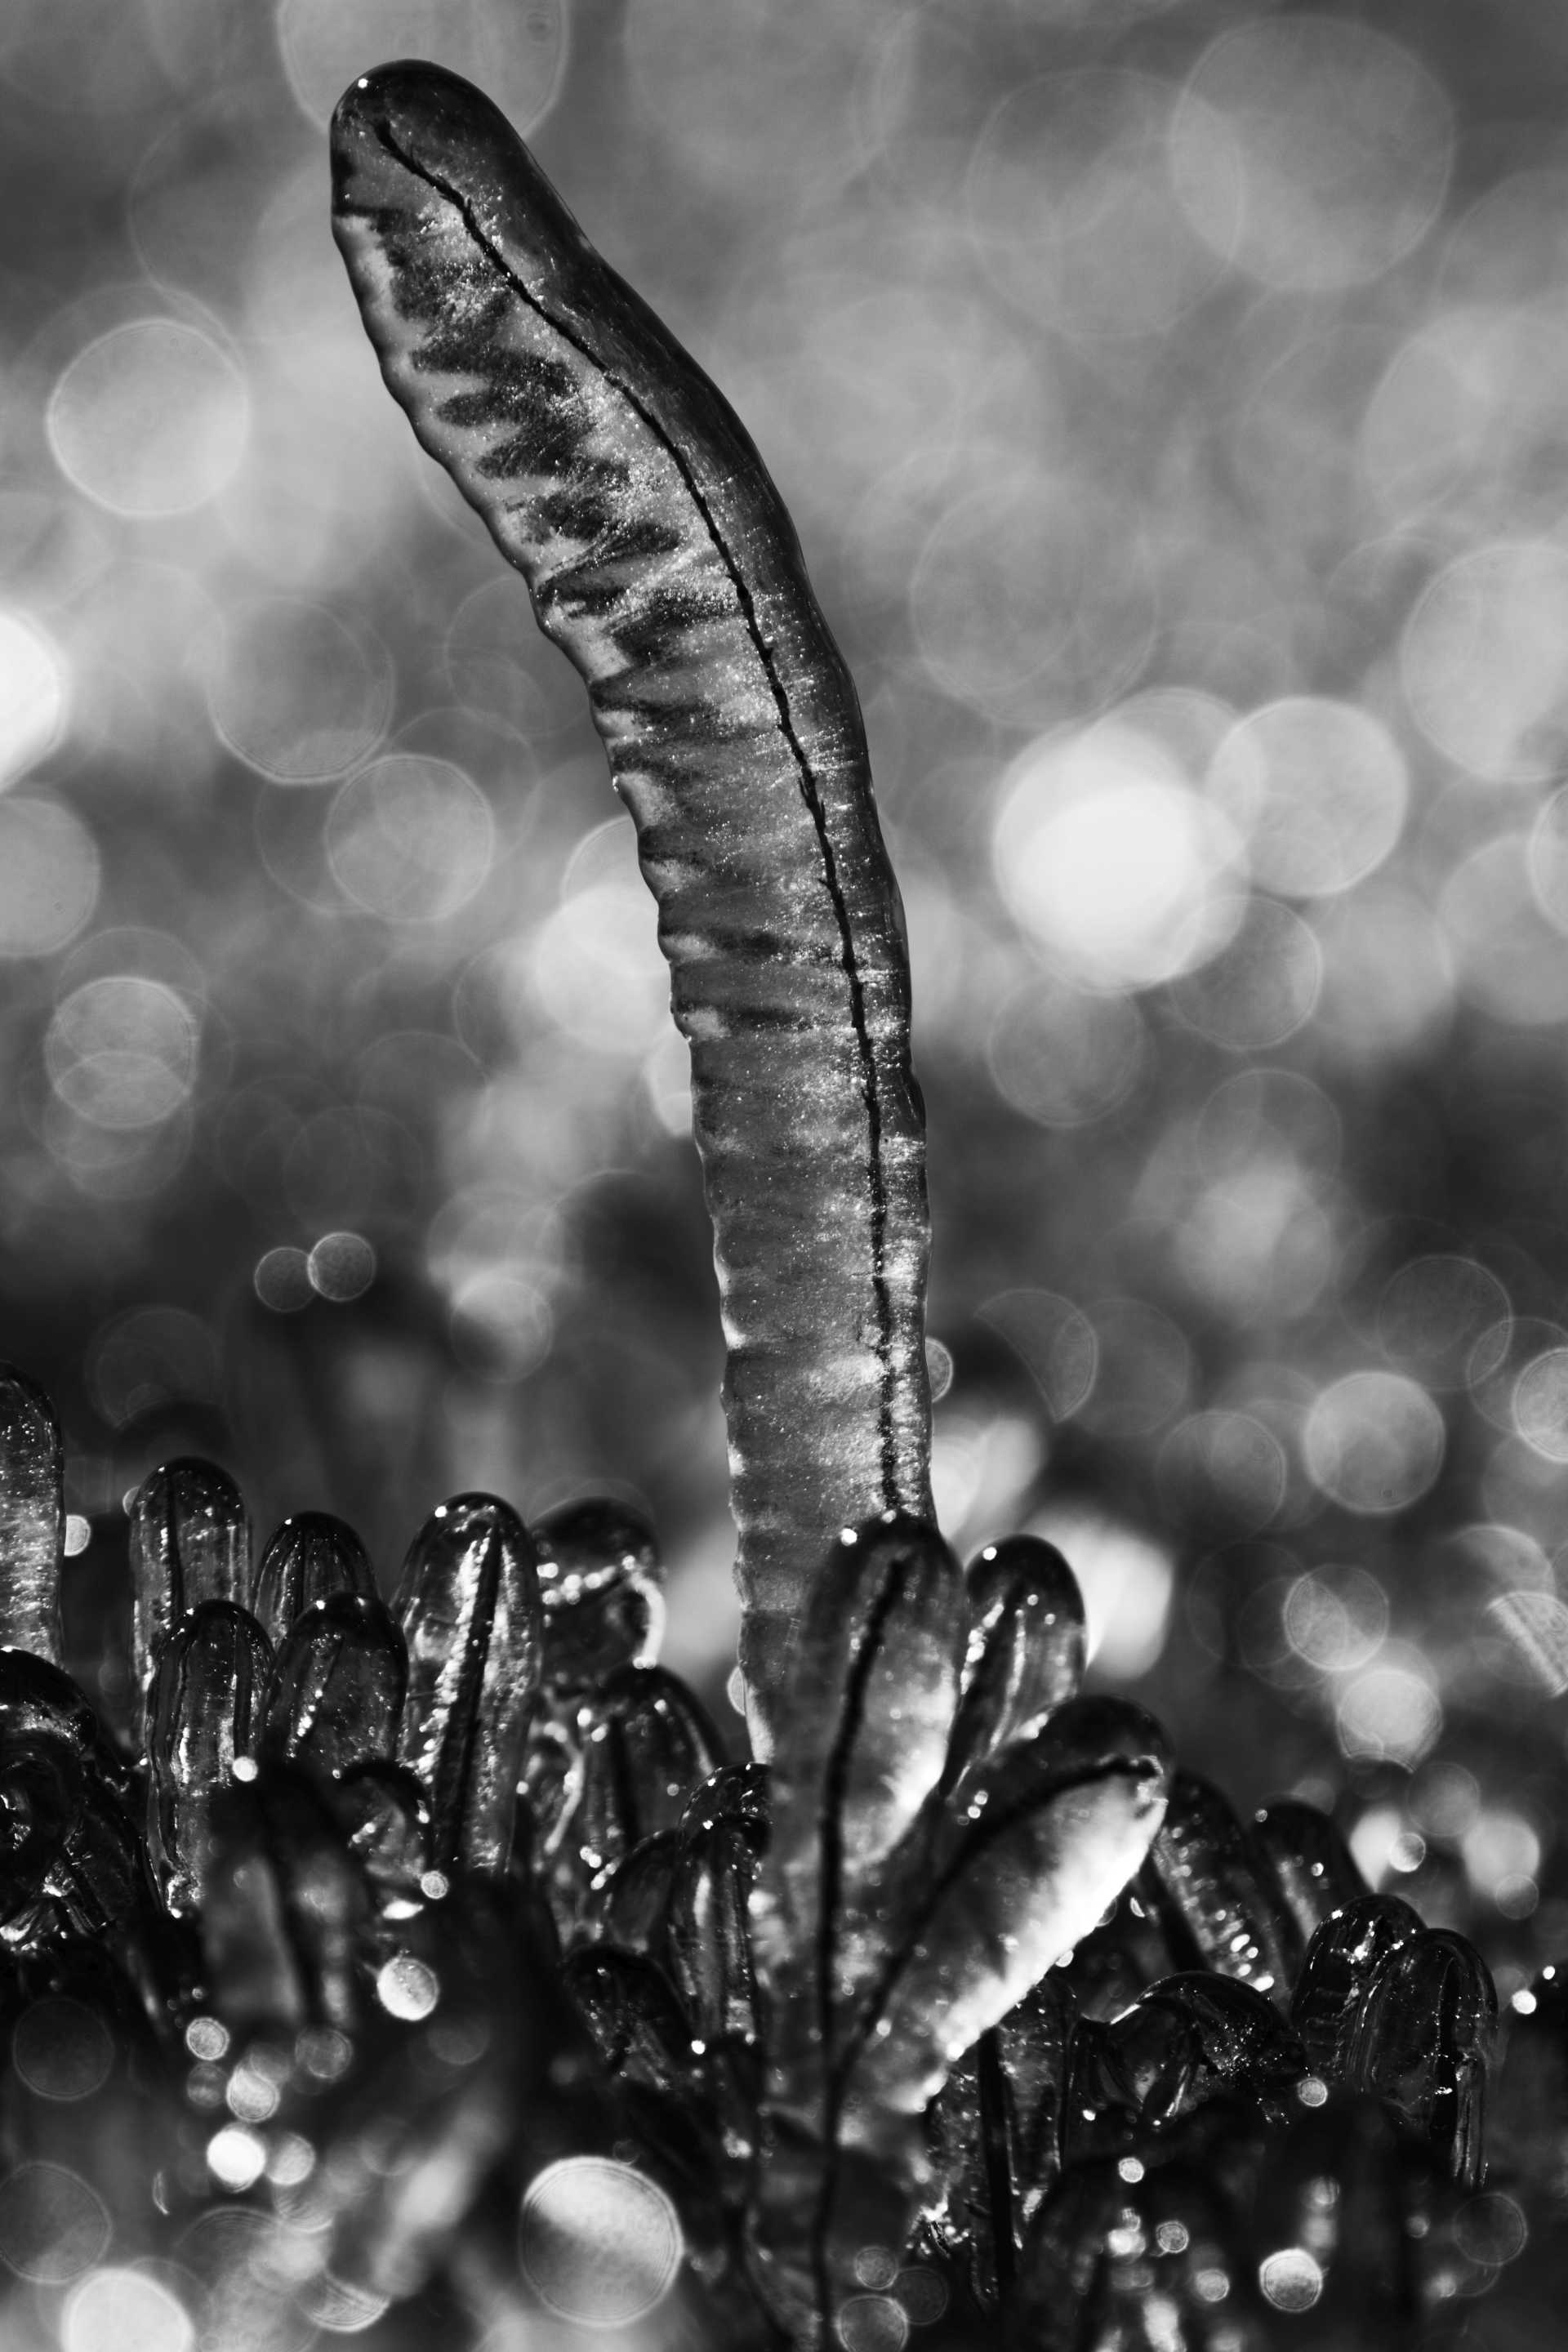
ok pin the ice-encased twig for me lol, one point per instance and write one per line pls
(660, 559)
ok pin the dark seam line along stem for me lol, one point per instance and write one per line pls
(809, 795)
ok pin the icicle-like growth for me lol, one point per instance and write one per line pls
(660, 559)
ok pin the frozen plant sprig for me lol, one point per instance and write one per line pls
(660, 557)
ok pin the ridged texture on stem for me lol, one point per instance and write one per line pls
(660, 559)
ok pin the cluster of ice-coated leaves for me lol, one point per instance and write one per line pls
(284, 1899)
(978, 2019)
(967, 2015)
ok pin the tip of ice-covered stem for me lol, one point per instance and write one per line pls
(407, 95)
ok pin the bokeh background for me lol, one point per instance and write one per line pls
(1173, 404)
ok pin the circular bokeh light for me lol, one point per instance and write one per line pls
(1485, 661)
(1317, 789)
(124, 2311)
(53, 2226)
(49, 876)
(598, 2241)
(61, 2049)
(516, 54)
(294, 692)
(33, 697)
(410, 839)
(1112, 865)
(1312, 150)
(1375, 1442)
(150, 419)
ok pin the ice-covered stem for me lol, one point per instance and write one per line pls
(660, 559)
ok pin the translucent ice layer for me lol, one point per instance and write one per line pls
(660, 557)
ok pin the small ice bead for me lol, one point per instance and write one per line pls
(32, 1517)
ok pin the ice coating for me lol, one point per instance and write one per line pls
(69, 1865)
(996, 2127)
(1422, 2038)
(1191, 2038)
(285, 1909)
(1204, 1885)
(1342, 1962)
(886, 2067)
(469, 1604)
(1053, 1832)
(32, 1517)
(310, 1557)
(646, 1745)
(873, 1689)
(1026, 1647)
(660, 557)
(208, 1694)
(709, 1952)
(383, 1815)
(1064, 1821)
(601, 1578)
(1311, 1867)
(338, 1685)
(190, 1542)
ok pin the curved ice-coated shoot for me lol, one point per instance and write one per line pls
(660, 559)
